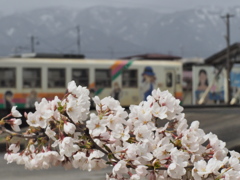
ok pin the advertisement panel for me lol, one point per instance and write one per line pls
(203, 76)
(235, 76)
(235, 83)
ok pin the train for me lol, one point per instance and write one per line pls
(23, 81)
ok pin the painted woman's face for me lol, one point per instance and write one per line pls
(147, 78)
(202, 77)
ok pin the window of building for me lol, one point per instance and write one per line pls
(8, 77)
(31, 78)
(81, 76)
(130, 78)
(169, 79)
(56, 78)
(103, 78)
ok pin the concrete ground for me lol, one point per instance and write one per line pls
(224, 122)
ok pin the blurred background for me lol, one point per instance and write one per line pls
(119, 28)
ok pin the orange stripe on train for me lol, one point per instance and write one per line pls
(179, 95)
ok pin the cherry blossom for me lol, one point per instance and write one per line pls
(68, 147)
(69, 128)
(153, 141)
(15, 123)
(96, 126)
(120, 168)
(15, 112)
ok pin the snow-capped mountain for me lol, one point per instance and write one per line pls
(107, 32)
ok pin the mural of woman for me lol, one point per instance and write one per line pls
(148, 82)
(8, 98)
(203, 80)
(202, 84)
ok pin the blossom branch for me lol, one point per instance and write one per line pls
(27, 136)
(135, 144)
(93, 142)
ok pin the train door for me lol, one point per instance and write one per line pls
(170, 81)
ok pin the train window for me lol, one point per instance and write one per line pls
(130, 78)
(7, 77)
(81, 76)
(31, 77)
(169, 79)
(103, 78)
(56, 78)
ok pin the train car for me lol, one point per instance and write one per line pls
(24, 81)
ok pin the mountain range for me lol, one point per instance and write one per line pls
(111, 32)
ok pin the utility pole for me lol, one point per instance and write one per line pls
(228, 61)
(78, 39)
(32, 43)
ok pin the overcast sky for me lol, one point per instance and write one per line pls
(10, 6)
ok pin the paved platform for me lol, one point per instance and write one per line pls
(224, 122)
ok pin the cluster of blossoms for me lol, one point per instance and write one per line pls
(152, 142)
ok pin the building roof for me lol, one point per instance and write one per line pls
(49, 55)
(220, 57)
(153, 57)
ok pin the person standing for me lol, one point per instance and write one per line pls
(8, 99)
(116, 92)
